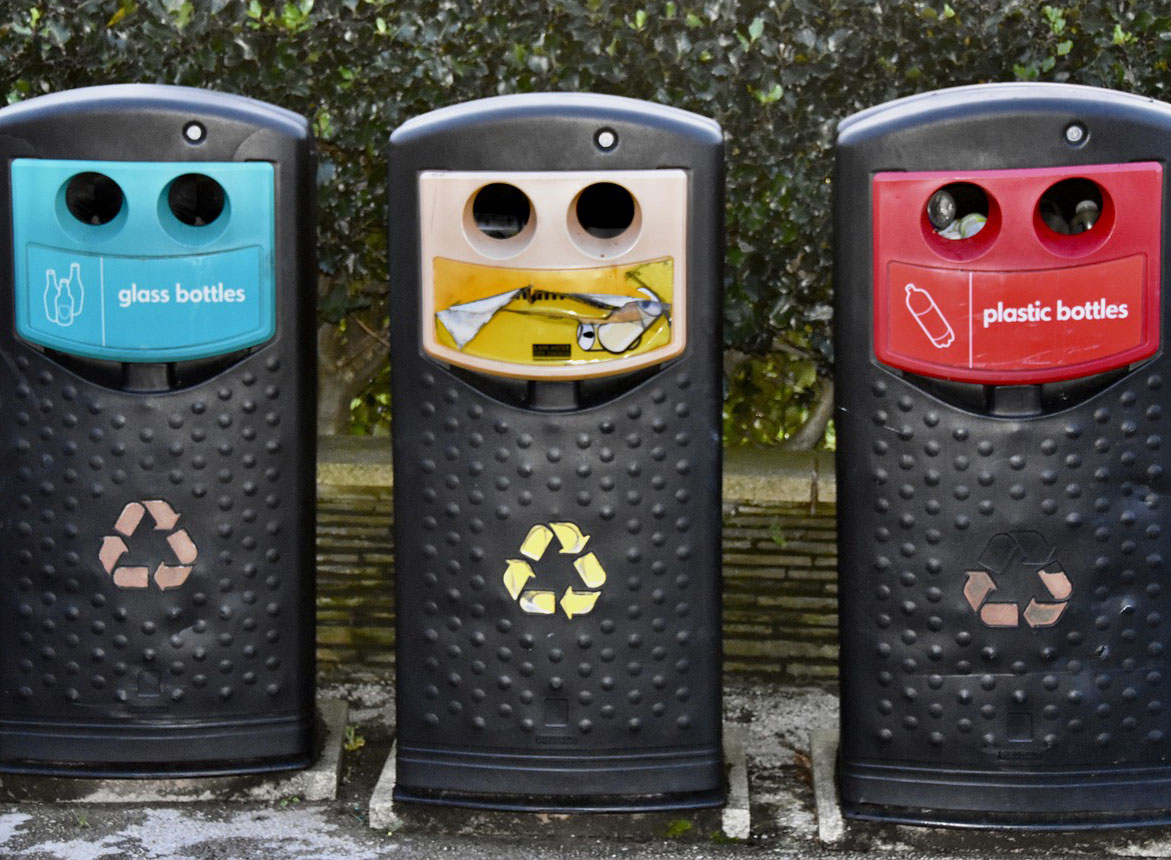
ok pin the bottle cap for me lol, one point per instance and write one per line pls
(941, 209)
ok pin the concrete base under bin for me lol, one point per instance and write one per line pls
(317, 782)
(733, 820)
(823, 749)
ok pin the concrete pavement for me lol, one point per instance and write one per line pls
(778, 723)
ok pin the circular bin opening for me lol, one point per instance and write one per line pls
(501, 211)
(194, 209)
(498, 220)
(93, 198)
(605, 210)
(1073, 216)
(195, 199)
(605, 220)
(960, 220)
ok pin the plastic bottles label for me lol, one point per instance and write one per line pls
(984, 324)
(1026, 298)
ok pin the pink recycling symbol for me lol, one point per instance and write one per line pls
(1008, 555)
(165, 575)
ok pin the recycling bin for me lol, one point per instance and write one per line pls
(157, 486)
(1002, 474)
(555, 331)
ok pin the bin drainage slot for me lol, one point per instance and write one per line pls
(1020, 726)
(555, 396)
(147, 377)
(556, 713)
(1014, 401)
(149, 684)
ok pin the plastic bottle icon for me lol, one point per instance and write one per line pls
(64, 297)
(927, 314)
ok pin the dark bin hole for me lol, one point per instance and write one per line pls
(500, 210)
(93, 198)
(605, 210)
(1071, 207)
(970, 219)
(958, 211)
(196, 199)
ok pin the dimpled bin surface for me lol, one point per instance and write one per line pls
(156, 607)
(1002, 548)
(616, 707)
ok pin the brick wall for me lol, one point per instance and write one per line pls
(780, 590)
(355, 579)
(780, 563)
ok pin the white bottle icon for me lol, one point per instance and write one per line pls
(930, 318)
(64, 297)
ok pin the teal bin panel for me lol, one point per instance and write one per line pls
(143, 287)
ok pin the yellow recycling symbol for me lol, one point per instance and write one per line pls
(539, 602)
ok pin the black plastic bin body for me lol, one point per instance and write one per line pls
(557, 527)
(1002, 459)
(157, 481)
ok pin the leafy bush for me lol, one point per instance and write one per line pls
(777, 74)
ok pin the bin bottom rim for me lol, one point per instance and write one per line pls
(1022, 821)
(150, 770)
(146, 750)
(1081, 798)
(533, 803)
(604, 781)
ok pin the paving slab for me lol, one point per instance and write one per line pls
(736, 816)
(383, 813)
(831, 825)
(875, 838)
(779, 721)
(318, 782)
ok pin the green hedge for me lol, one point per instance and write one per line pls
(777, 75)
